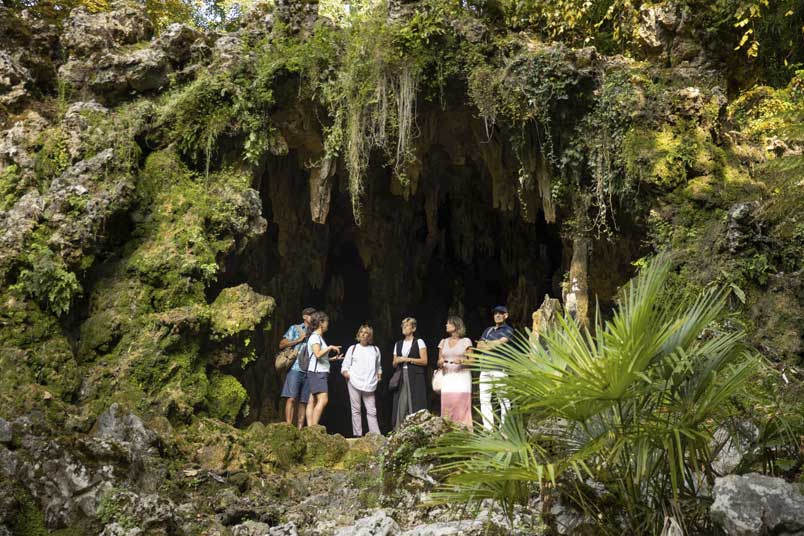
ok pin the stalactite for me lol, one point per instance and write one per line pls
(491, 152)
(321, 189)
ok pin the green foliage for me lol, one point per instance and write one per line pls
(47, 279)
(757, 268)
(763, 112)
(111, 509)
(633, 406)
(232, 103)
(52, 157)
(607, 24)
(29, 520)
(9, 186)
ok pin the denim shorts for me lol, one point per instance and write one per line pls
(317, 382)
(296, 386)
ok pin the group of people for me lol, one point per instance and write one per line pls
(307, 393)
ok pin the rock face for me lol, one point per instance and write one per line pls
(112, 54)
(739, 232)
(757, 504)
(29, 51)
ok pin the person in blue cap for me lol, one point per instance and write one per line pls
(499, 333)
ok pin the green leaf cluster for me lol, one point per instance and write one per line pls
(633, 406)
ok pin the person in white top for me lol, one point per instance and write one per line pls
(361, 368)
(318, 371)
(409, 381)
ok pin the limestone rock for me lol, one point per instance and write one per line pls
(149, 513)
(286, 529)
(6, 434)
(377, 524)
(298, 15)
(730, 448)
(238, 309)
(420, 429)
(465, 527)
(251, 528)
(739, 230)
(125, 428)
(757, 504)
(86, 33)
(14, 79)
(112, 75)
(177, 41)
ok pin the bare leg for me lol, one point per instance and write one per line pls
(309, 409)
(290, 404)
(321, 400)
(301, 414)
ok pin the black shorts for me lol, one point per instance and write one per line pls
(317, 382)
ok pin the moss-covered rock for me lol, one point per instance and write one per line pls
(238, 309)
(225, 397)
(322, 449)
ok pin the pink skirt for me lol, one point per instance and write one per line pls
(456, 396)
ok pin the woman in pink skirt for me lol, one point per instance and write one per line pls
(456, 386)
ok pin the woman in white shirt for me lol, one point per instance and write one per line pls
(361, 368)
(318, 371)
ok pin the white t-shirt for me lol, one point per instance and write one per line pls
(406, 347)
(321, 364)
(362, 363)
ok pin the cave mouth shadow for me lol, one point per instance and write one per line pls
(444, 248)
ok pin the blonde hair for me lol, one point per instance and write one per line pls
(409, 320)
(367, 328)
(457, 321)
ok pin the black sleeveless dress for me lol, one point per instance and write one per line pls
(412, 393)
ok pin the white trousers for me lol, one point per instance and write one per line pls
(367, 398)
(489, 384)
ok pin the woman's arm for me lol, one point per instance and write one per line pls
(468, 356)
(440, 357)
(421, 361)
(347, 362)
(319, 352)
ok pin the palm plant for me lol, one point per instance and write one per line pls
(632, 407)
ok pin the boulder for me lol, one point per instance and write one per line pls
(177, 41)
(757, 504)
(739, 229)
(464, 527)
(377, 524)
(6, 434)
(87, 33)
(251, 528)
(112, 76)
(125, 428)
(14, 80)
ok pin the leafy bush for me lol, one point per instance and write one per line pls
(633, 406)
(48, 280)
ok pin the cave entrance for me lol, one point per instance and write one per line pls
(444, 248)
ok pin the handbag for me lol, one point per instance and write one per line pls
(438, 378)
(285, 358)
(396, 379)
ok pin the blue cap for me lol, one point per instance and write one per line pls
(500, 309)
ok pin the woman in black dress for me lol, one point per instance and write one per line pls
(410, 361)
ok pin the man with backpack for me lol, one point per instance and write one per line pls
(295, 388)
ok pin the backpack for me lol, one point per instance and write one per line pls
(304, 357)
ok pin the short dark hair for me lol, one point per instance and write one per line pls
(308, 311)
